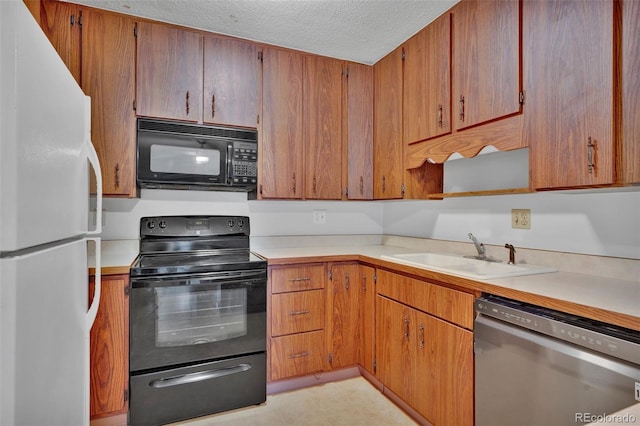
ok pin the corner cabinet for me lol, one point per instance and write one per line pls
(424, 347)
(109, 348)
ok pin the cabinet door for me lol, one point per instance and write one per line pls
(442, 388)
(109, 347)
(61, 22)
(322, 127)
(395, 346)
(281, 142)
(169, 72)
(366, 318)
(108, 77)
(230, 82)
(359, 135)
(343, 330)
(486, 61)
(631, 91)
(568, 57)
(387, 140)
(427, 82)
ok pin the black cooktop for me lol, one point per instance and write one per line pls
(195, 262)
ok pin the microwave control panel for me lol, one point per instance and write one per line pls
(244, 162)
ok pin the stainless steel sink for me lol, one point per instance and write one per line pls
(467, 267)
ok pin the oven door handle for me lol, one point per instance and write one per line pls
(199, 376)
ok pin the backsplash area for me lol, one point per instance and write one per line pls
(603, 223)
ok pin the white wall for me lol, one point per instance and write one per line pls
(601, 223)
(267, 218)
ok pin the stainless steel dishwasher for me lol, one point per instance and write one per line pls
(536, 366)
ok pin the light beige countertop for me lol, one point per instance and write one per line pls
(612, 300)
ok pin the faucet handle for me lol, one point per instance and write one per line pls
(512, 253)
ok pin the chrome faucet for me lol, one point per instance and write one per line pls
(482, 252)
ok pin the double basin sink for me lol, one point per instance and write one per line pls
(467, 267)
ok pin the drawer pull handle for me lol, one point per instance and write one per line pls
(299, 355)
(294, 280)
(421, 336)
(298, 313)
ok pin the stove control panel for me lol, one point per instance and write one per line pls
(186, 226)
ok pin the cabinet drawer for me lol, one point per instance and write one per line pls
(297, 354)
(304, 277)
(297, 312)
(451, 305)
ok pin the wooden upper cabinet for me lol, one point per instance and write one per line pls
(630, 150)
(108, 77)
(387, 140)
(486, 61)
(322, 127)
(359, 131)
(231, 69)
(169, 73)
(427, 82)
(280, 172)
(61, 22)
(569, 81)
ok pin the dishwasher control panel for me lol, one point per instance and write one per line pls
(604, 338)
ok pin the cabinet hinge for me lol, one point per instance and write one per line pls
(134, 105)
(126, 395)
(72, 20)
(260, 56)
(80, 19)
(522, 98)
(402, 189)
(403, 54)
(258, 119)
(346, 192)
(135, 30)
(127, 291)
(330, 275)
(330, 358)
(346, 72)
(375, 365)
(375, 279)
(260, 189)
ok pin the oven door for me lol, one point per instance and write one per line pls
(197, 317)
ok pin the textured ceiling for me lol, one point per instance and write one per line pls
(357, 30)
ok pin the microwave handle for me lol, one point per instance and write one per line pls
(230, 163)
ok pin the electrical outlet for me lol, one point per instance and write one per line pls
(319, 216)
(521, 218)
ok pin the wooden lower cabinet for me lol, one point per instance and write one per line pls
(343, 330)
(109, 348)
(366, 318)
(425, 361)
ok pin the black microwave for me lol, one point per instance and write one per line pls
(174, 155)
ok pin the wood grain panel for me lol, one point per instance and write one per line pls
(281, 140)
(298, 278)
(230, 82)
(60, 22)
(297, 354)
(486, 60)
(322, 130)
(360, 132)
(169, 72)
(568, 77)
(108, 77)
(451, 305)
(109, 348)
(630, 89)
(387, 139)
(297, 312)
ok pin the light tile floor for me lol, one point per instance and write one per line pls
(347, 402)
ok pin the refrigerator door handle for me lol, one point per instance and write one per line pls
(93, 309)
(92, 155)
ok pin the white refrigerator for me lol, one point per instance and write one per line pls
(45, 159)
